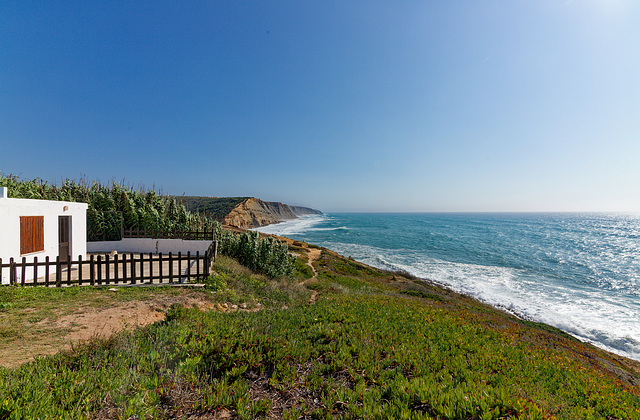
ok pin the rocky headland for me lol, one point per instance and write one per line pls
(253, 213)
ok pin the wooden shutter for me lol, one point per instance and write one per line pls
(31, 234)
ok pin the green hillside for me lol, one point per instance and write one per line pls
(350, 342)
(215, 208)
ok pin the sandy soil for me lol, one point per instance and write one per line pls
(313, 255)
(89, 322)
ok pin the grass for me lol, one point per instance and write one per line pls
(374, 345)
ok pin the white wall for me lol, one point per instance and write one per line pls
(146, 245)
(10, 211)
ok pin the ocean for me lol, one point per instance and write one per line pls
(577, 272)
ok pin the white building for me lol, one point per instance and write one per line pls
(40, 228)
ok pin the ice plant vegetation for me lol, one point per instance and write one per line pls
(373, 344)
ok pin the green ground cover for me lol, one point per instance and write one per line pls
(372, 345)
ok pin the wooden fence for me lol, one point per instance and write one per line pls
(112, 270)
(155, 234)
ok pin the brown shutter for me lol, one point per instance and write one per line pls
(31, 234)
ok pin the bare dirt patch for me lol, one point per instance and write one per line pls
(87, 322)
(103, 322)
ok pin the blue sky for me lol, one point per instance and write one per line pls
(338, 105)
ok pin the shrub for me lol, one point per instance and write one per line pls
(267, 255)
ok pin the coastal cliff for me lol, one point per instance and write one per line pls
(253, 212)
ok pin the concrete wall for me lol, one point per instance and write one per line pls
(12, 208)
(146, 245)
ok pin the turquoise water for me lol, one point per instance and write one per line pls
(577, 272)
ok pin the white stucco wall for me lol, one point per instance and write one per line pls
(10, 211)
(146, 245)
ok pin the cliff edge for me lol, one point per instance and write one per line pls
(253, 213)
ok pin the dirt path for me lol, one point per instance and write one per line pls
(313, 255)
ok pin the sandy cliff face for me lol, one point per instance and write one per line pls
(254, 212)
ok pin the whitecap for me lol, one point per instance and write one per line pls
(293, 227)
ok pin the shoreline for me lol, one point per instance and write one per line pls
(504, 308)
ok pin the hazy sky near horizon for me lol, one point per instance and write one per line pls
(338, 105)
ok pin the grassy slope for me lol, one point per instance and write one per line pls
(373, 345)
(213, 207)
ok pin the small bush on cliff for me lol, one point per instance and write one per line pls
(266, 256)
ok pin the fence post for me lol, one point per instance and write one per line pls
(12, 271)
(133, 269)
(58, 272)
(108, 271)
(68, 270)
(23, 270)
(170, 267)
(92, 270)
(179, 266)
(35, 270)
(99, 266)
(124, 268)
(188, 276)
(46, 270)
(150, 267)
(115, 269)
(197, 264)
(80, 263)
(207, 264)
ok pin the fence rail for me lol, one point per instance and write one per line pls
(111, 270)
(156, 234)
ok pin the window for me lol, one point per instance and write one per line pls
(31, 234)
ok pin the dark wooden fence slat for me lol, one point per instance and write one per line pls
(160, 266)
(58, 272)
(23, 271)
(170, 267)
(92, 270)
(133, 270)
(188, 273)
(115, 269)
(150, 267)
(46, 270)
(179, 266)
(108, 270)
(197, 264)
(124, 268)
(80, 263)
(35, 270)
(68, 271)
(99, 267)
(12, 271)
